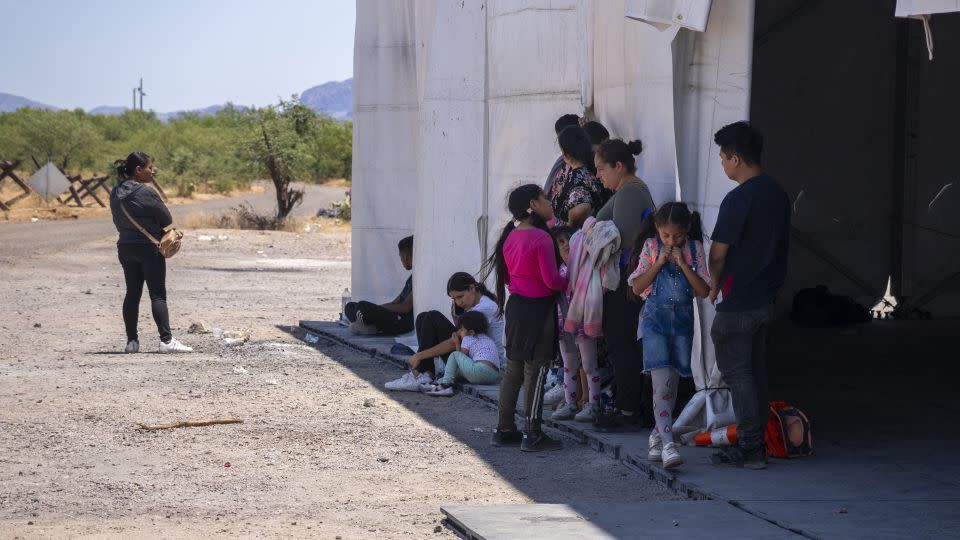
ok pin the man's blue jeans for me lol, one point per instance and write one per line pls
(740, 340)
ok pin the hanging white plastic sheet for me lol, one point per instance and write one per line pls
(909, 8)
(692, 14)
(533, 69)
(385, 142)
(451, 57)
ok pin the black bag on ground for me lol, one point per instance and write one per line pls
(819, 308)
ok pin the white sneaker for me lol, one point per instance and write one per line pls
(174, 347)
(654, 447)
(441, 391)
(564, 412)
(671, 456)
(360, 328)
(133, 346)
(408, 383)
(554, 395)
(589, 413)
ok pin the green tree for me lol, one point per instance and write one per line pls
(68, 138)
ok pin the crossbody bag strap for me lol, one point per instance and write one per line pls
(138, 226)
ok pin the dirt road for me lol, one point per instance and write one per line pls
(52, 236)
(323, 451)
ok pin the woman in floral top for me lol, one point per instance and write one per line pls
(576, 194)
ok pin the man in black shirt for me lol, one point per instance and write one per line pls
(748, 264)
(395, 317)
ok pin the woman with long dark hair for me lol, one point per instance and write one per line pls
(527, 260)
(436, 334)
(139, 256)
(578, 194)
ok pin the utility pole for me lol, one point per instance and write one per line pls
(140, 91)
(134, 99)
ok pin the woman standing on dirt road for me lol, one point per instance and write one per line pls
(139, 256)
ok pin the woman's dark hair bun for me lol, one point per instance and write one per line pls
(635, 147)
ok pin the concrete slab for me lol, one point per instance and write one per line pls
(876, 520)
(679, 520)
(889, 487)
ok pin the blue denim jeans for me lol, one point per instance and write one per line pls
(740, 340)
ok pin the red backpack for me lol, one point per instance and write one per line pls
(788, 432)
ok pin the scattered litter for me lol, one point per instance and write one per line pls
(227, 464)
(217, 332)
(240, 370)
(842, 510)
(222, 237)
(478, 429)
(233, 342)
(271, 381)
(88, 291)
(383, 459)
(369, 402)
(191, 423)
(438, 529)
(34, 220)
(204, 238)
(676, 523)
(36, 325)
(311, 338)
(237, 334)
(198, 327)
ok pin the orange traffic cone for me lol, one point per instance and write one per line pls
(719, 437)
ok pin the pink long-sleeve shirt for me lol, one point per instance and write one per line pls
(532, 264)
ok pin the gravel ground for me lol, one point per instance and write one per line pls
(323, 451)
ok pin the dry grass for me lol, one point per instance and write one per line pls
(33, 206)
(234, 219)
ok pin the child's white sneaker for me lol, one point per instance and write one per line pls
(564, 412)
(554, 395)
(441, 391)
(133, 346)
(174, 346)
(589, 413)
(654, 447)
(408, 383)
(671, 456)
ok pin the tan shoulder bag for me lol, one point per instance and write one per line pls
(168, 245)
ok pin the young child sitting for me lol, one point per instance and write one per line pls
(393, 318)
(476, 360)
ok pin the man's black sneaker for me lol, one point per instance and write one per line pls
(755, 458)
(506, 438)
(617, 422)
(539, 442)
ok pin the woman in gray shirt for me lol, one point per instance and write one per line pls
(631, 201)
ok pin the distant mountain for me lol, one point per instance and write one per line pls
(333, 98)
(107, 110)
(10, 103)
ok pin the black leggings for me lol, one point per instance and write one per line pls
(621, 314)
(432, 329)
(143, 262)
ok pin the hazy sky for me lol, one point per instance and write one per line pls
(190, 53)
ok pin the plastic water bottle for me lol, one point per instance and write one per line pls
(344, 300)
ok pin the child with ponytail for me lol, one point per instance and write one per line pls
(672, 269)
(527, 260)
